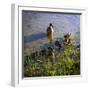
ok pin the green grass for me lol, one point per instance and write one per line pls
(66, 62)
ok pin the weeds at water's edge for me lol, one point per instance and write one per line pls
(53, 61)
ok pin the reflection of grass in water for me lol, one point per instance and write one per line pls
(67, 62)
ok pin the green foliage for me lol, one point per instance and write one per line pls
(64, 59)
(66, 62)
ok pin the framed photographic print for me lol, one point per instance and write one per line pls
(47, 44)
